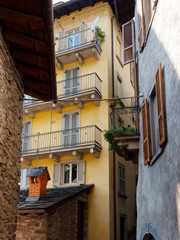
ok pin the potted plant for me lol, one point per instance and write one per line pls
(113, 102)
(130, 130)
(99, 35)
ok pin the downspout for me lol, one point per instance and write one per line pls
(114, 157)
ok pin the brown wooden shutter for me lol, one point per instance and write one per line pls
(146, 135)
(160, 106)
(141, 25)
(128, 41)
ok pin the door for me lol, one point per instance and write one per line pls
(26, 136)
(71, 131)
(71, 81)
(73, 39)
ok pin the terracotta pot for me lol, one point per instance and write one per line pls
(112, 103)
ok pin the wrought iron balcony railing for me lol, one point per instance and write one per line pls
(124, 119)
(75, 40)
(51, 141)
(80, 84)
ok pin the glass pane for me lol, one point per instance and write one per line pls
(74, 173)
(66, 173)
(76, 40)
(23, 178)
(70, 41)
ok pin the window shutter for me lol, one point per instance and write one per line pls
(82, 33)
(160, 106)
(57, 175)
(141, 25)
(81, 172)
(128, 41)
(146, 135)
(67, 83)
(61, 42)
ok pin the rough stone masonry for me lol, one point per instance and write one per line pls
(11, 98)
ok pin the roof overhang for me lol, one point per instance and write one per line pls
(66, 8)
(123, 9)
(27, 27)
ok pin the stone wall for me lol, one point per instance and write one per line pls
(11, 96)
(63, 223)
(31, 227)
(59, 223)
(158, 190)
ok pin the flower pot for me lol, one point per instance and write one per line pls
(112, 103)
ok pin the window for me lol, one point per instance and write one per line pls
(26, 136)
(71, 83)
(73, 38)
(153, 121)
(121, 180)
(24, 180)
(71, 130)
(128, 42)
(145, 13)
(69, 173)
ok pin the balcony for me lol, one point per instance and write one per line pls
(70, 92)
(75, 141)
(125, 135)
(85, 87)
(77, 46)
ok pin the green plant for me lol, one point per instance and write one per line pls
(109, 134)
(99, 35)
(113, 102)
(130, 130)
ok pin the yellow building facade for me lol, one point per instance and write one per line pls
(67, 136)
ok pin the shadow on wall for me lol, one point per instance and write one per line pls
(158, 190)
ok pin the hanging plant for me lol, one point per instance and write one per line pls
(99, 35)
(111, 133)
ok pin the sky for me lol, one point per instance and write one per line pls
(56, 1)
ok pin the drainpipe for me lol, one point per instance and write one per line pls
(114, 157)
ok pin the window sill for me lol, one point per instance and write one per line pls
(156, 156)
(122, 195)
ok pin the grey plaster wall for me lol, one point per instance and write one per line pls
(158, 190)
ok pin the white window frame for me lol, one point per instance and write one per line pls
(73, 31)
(26, 179)
(79, 74)
(63, 122)
(61, 180)
(30, 131)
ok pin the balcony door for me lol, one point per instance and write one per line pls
(71, 131)
(73, 39)
(71, 83)
(26, 136)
